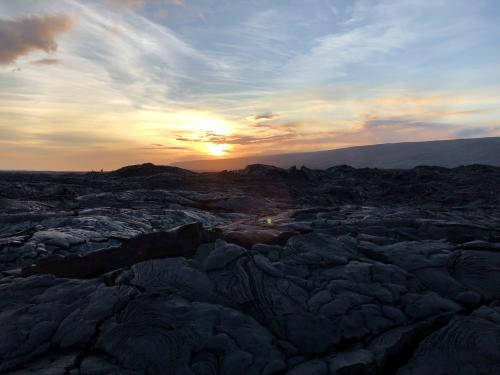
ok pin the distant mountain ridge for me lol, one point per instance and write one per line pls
(148, 169)
(444, 153)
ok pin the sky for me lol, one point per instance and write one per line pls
(86, 85)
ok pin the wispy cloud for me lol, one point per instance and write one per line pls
(75, 138)
(159, 147)
(46, 62)
(378, 35)
(239, 139)
(128, 4)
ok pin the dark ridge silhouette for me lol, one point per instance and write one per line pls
(149, 169)
(445, 153)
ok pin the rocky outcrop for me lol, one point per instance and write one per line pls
(149, 169)
(181, 241)
(227, 278)
(318, 304)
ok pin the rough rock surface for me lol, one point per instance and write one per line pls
(156, 270)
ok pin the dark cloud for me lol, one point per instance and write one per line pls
(23, 35)
(265, 116)
(46, 62)
(159, 146)
(402, 122)
(477, 132)
(237, 139)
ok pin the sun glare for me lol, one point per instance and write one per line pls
(217, 150)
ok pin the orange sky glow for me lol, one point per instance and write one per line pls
(101, 84)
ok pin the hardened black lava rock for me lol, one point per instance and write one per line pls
(157, 270)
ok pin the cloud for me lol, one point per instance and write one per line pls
(482, 131)
(388, 37)
(7, 133)
(74, 138)
(146, 62)
(261, 117)
(402, 122)
(129, 4)
(159, 146)
(46, 62)
(20, 36)
(238, 139)
(407, 128)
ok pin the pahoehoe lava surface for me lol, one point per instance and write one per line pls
(159, 270)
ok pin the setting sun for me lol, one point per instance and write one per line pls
(218, 150)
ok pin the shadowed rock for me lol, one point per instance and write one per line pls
(179, 337)
(345, 271)
(181, 241)
(468, 345)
